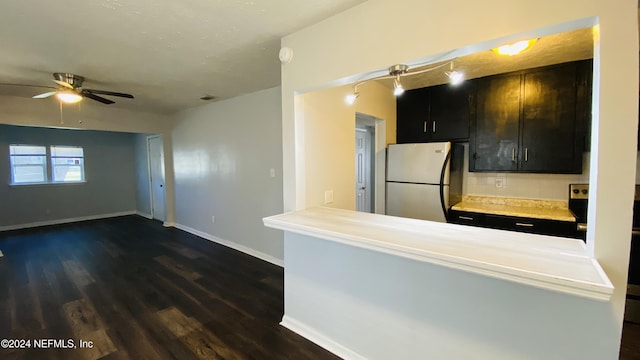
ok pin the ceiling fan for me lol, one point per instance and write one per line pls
(71, 90)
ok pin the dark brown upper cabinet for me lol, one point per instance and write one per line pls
(532, 121)
(437, 113)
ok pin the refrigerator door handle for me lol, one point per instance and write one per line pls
(442, 174)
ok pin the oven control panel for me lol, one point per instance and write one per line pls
(579, 191)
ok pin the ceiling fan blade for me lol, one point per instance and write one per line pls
(63, 83)
(45, 95)
(110, 93)
(27, 85)
(91, 96)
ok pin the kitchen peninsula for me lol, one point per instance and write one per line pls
(373, 286)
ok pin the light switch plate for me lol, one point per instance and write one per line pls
(328, 196)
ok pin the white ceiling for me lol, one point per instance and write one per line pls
(166, 53)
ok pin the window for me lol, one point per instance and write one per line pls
(36, 164)
(67, 164)
(28, 164)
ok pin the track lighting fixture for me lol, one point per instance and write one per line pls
(398, 71)
(455, 77)
(351, 98)
(397, 87)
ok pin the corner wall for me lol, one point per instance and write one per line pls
(223, 154)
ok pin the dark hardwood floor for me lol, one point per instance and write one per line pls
(137, 290)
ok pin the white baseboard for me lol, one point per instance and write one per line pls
(320, 339)
(144, 215)
(65, 221)
(230, 244)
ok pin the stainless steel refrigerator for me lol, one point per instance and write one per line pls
(424, 179)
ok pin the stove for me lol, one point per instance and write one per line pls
(578, 201)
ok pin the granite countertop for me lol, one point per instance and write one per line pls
(530, 208)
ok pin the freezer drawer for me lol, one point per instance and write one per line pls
(417, 201)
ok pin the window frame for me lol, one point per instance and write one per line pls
(49, 167)
(13, 166)
(53, 166)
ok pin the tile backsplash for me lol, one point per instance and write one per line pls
(519, 185)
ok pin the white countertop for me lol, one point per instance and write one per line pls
(547, 262)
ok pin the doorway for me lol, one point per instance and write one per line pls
(364, 163)
(156, 176)
(370, 163)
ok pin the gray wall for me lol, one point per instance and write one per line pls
(143, 196)
(223, 153)
(109, 171)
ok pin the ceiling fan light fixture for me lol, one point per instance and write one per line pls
(515, 48)
(68, 97)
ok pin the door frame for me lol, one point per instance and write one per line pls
(380, 150)
(164, 192)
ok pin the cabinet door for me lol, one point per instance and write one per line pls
(449, 109)
(412, 114)
(549, 121)
(494, 142)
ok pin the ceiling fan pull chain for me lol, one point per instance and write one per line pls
(61, 118)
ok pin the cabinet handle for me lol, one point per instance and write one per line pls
(424, 128)
(434, 126)
(526, 154)
(465, 218)
(513, 154)
(524, 224)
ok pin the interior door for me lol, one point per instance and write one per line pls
(156, 177)
(363, 199)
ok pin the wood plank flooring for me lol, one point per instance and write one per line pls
(137, 290)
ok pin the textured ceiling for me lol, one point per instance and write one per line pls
(167, 53)
(552, 49)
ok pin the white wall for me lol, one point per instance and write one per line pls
(223, 153)
(381, 306)
(370, 37)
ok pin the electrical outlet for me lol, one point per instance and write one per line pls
(328, 196)
(213, 219)
(272, 172)
(499, 182)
